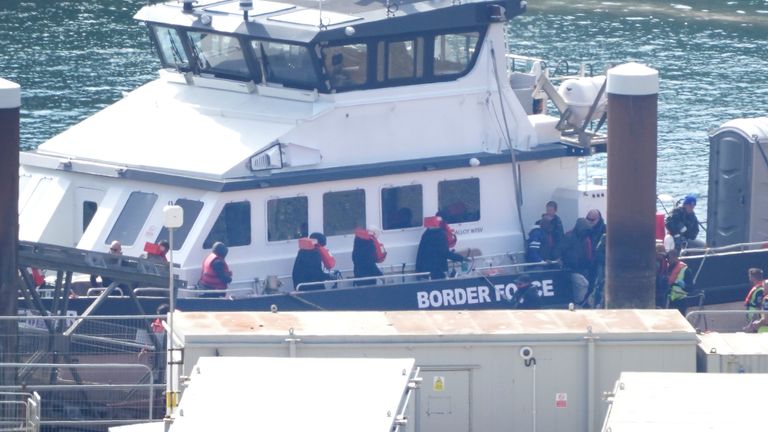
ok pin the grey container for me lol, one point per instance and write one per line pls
(482, 370)
(733, 352)
(737, 210)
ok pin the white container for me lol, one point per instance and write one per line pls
(733, 352)
(580, 95)
(477, 374)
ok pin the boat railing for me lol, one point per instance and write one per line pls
(734, 248)
(21, 411)
(725, 320)
(229, 292)
(385, 279)
(93, 292)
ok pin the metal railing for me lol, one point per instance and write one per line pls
(19, 412)
(106, 371)
(722, 320)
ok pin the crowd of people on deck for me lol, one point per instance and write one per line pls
(581, 251)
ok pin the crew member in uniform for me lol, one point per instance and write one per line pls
(216, 273)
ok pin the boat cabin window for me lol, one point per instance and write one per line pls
(191, 211)
(287, 218)
(232, 227)
(401, 207)
(89, 211)
(286, 63)
(132, 218)
(346, 65)
(172, 54)
(218, 55)
(454, 52)
(343, 212)
(459, 200)
(400, 59)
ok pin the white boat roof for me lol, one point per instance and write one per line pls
(212, 327)
(169, 127)
(734, 343)
(293, 394)
(679, 402)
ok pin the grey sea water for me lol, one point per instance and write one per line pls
(73, 58)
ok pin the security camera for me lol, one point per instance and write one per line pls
(526, 352)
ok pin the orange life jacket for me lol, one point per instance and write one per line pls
(329, 261)
(364, 234)
(680, 266)
(209, 277)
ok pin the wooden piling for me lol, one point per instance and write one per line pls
(10, 102)
(630, 277)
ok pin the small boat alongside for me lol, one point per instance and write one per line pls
(273, 120)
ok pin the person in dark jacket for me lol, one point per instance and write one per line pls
(683, 225)
(215, 275)
(597, 272)
(433, 253)
(578, 258)
(557, 223)
(367, 251)
(308, 266)
(526, 295)
(541, 241)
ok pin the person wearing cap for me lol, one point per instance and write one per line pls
(433, 253)
(309, 263)
(216, 274)
(526, 295)
(683, 225)
(367, 251)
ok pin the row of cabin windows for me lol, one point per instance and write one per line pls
(288, 218)
(369, 63)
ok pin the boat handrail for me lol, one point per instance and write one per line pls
(163, 291)
(229, 292)
(346, 281)
(737, 247)
(93, 292)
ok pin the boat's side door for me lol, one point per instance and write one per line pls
(87, 201)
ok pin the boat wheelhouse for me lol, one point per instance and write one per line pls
(272, 121)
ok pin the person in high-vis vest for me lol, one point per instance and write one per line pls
(216, 273)
(754, 300)
(676, 281)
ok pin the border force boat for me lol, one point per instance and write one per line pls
(271, 120)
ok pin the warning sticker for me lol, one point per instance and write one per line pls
(438, 383)
(561, 400)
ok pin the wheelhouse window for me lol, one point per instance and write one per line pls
(402, 207)
(89, 211)
(132, 218)
(170, 47)
(459, 200)
(346, 65)
(218, 55)
(400, 59)
(343, 212)
(287, 218)
(286, 63)
(191, 211)
(232, 227)
(453, 52)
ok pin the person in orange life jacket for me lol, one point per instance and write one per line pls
(450, 235)
(309, 263)
(157, 251)
(754, 299)
(215, 273)
(433, 253)
(157, 324)
(367, 251)
(679, 281)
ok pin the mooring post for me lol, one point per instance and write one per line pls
(630, 278)
(10, 101)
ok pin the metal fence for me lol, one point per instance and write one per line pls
(90, 373)
(19, 411)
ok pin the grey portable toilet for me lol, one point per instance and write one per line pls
(738, 179)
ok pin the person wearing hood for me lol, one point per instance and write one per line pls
(309, 263)
(578, 258)
(434, 251)
(367, 251)
(216, 274)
